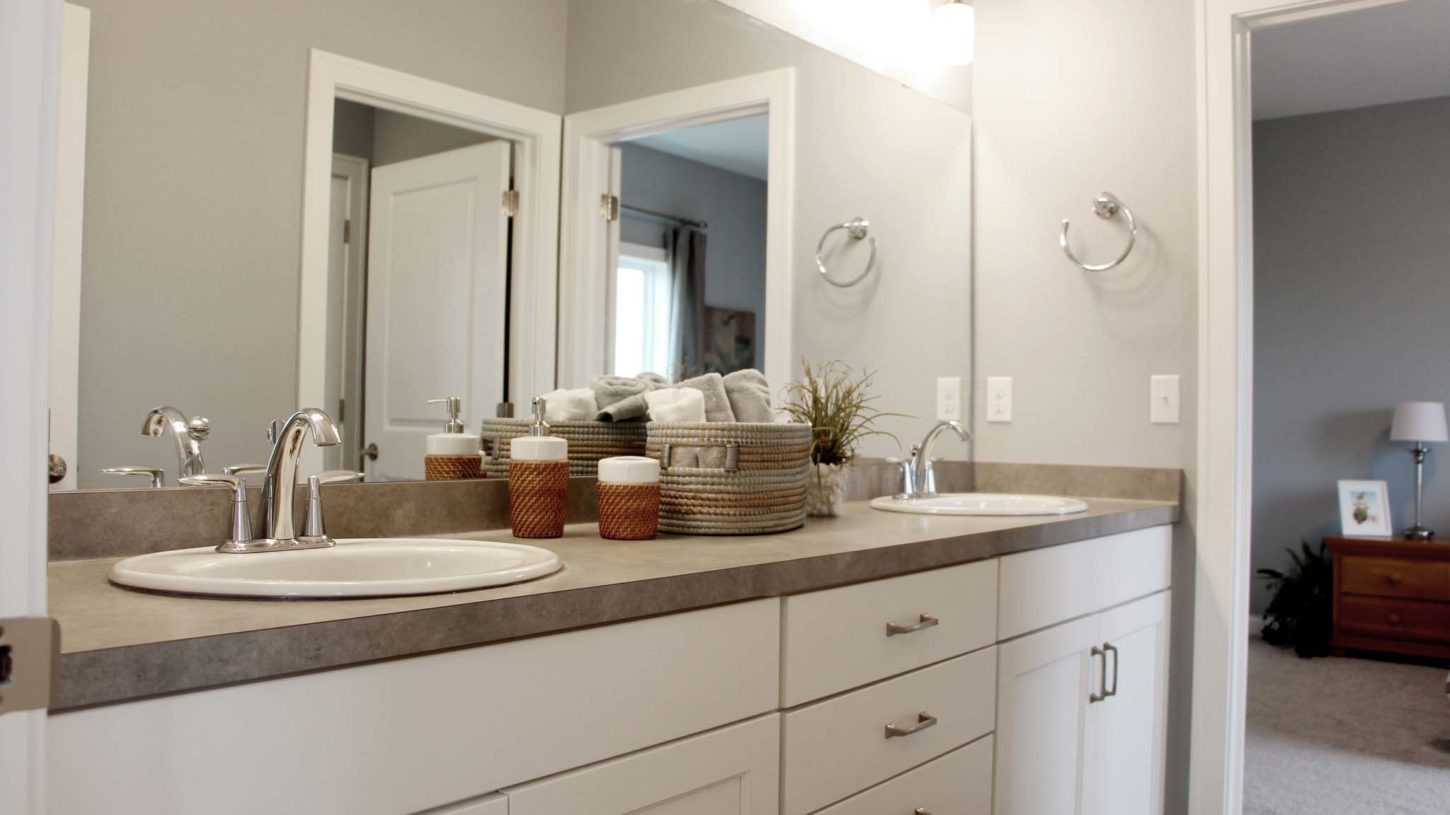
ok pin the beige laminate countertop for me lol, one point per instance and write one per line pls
(120, 645)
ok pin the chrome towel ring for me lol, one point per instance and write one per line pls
(1105, 206)
(857, 228)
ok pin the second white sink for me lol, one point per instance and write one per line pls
(981, 503)
(359, 567)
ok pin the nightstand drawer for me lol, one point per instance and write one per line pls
(1398, 619)
(1392, 577)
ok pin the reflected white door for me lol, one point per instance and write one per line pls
(347, 233)
(437, 299)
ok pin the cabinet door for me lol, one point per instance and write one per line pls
(1128, 728)
(1043, 682)
(731, 771)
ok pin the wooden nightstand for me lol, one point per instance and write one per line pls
(1391, 596)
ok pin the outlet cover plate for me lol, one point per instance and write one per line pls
(948, 398)
(999, 398)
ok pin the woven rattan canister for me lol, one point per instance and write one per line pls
(628, 512)
(538, 491)
(588, 443)
(452, 468)
(719, 478)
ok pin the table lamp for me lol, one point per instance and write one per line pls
(1419, 422)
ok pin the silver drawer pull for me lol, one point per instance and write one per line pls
(923, 721)
(926, 621)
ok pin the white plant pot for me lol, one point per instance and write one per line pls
(826, 490)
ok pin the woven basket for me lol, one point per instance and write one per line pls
(719, 478)
(452, 468)
(628, 512)
(588, 443)
(538, 491)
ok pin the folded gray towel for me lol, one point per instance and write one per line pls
(717, 404)
(621, 398)
(749, 395)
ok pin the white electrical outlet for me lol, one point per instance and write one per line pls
(999, 398)
(948, 398)
(1163, 397)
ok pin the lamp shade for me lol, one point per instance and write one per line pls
(954, 28)
(1419, 421)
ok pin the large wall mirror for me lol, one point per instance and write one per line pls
(365, 207)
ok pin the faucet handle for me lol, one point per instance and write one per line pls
(336, 476)
(314, 529)
(156, 474)
(241, 523)
(243, 469)
(198, 428)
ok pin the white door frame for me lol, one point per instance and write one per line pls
(30, 49)
(584, 237)
(1225, 380)
(534, 277)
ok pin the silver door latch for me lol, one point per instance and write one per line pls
(29, 662)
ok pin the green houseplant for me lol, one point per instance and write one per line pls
(1301, 613)
(836, 402)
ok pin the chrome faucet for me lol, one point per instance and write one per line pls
(188, 436)
(918, 477)
(279, 484)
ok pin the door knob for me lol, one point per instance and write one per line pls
(57, 469)
(371, 452)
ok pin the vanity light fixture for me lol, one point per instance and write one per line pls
(1419, 422)
(954, 28)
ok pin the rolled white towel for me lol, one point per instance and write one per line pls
(569, 405)
(676, 405)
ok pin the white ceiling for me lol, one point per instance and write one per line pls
(736, 145)
(1391, 53)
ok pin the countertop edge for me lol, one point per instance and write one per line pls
(134, 672)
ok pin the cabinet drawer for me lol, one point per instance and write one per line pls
(1389, 577)
(1048, 586)
(836, 748)
(958, 783)
(839, 638)
(1399, 619)
(733, 770)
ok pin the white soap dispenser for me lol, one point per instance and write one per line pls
(453, 454)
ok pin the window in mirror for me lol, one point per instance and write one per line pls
(641, 319)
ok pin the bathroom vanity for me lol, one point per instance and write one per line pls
(877, 662)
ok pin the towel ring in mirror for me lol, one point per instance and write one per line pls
(857, 228)
(1105, 206)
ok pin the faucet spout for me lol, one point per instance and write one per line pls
(279, 484)
(922, 470)
(187, 435)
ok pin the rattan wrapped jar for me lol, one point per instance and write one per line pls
(628, 496)
(538, 486)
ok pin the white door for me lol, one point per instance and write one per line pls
(346, 279)
(437, 298)
(1043, 684)
(1129, 727)
(731, 771)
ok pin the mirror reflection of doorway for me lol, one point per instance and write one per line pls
(687, 292)
(417, 283)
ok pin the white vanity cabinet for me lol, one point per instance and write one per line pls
(1081, 705)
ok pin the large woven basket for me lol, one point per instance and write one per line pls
(719, 478)
(588, 443)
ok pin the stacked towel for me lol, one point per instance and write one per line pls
(749, 395)
(575, 405)
(675, 405)
(717, 404)
(621, 398)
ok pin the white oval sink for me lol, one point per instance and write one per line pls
(360, 567)
(981, 503)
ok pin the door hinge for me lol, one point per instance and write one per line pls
(609, 207)
(511, 203)
(347, 231)
(29, 662)
(342, 410)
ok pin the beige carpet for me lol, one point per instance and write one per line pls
(1352, 736)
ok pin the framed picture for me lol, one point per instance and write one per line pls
(1364, 509)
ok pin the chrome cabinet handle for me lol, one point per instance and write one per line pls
(1096, 696)
(156, 474)
(1109, 648)
(925, 621)
(923, 721)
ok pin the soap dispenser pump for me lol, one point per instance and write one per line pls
(453, 454)
(538, 480)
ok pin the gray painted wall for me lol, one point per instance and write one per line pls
(865, 145)
(1350, 288)
(732, 204)
(1070, 99)
(194, 192)
(384, 137)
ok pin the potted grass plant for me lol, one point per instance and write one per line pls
(1300, 616)
(836, 402)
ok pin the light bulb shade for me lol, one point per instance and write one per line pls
(954, 30)
(1419, 421)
